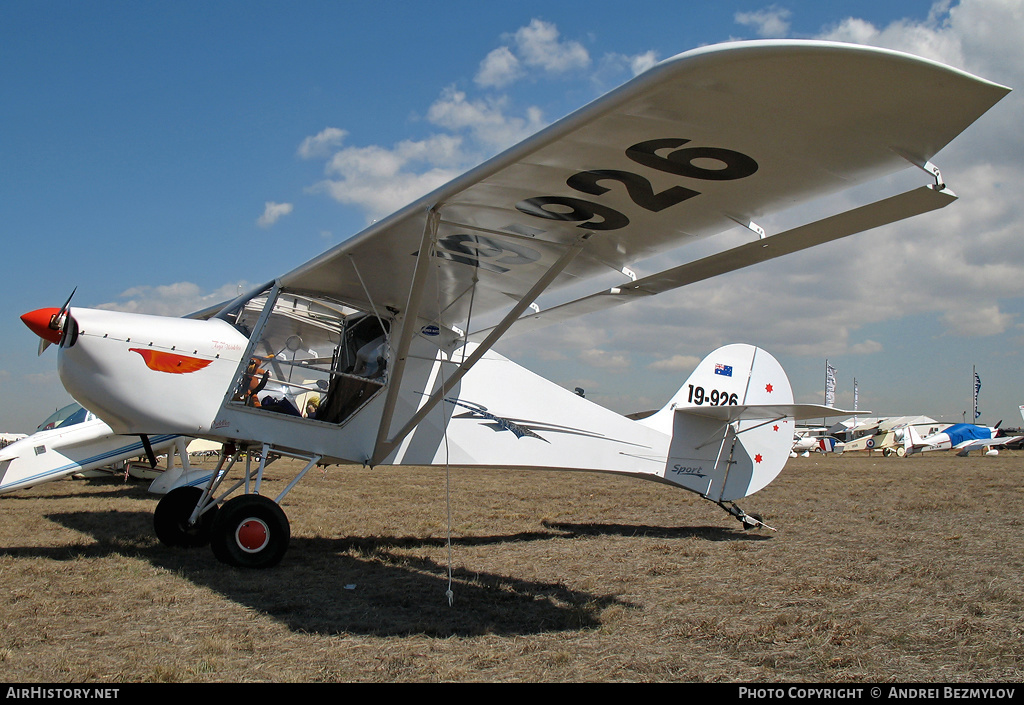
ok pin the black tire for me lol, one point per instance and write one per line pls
(170, 519)
(250, 531)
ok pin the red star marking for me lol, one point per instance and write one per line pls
(757, 458)
(775, 427)
(768, 388)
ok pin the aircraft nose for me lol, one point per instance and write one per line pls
(39, 322)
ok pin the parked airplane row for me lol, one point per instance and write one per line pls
(73, 441)
(381, 350)
(905, 436)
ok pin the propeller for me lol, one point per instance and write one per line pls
(48, 323)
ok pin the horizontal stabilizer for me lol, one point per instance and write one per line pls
(765, 411)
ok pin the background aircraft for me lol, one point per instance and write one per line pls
(887, 434)
(380, 351)
(76, 442)
(961, 437)
(73, 440)
(817, 439)
(7, 438)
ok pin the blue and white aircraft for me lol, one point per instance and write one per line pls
(961, 437)
(74, 440)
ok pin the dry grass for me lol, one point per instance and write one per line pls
(883, 569)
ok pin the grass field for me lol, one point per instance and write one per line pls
(882, 570)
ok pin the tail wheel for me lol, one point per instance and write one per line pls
(250, 531)
(171, 519)
(758, 519)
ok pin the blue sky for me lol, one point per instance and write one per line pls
(160, 155)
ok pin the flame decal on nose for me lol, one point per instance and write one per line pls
(170, 362)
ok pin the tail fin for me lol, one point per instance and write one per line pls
(732, 424)
(912, 441)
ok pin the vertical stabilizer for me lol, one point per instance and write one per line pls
(729, 436)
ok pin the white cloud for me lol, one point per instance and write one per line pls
(322, 144)
(380, 180)
(676, 363)
(178, 299)
(487, 121)
(975, 322)
(771, 22)
(964, 260)
(537, 45)
(641, 62)
(272, 212)
(498, 69)
(604, 359)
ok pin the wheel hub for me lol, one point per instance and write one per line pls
(252, 535)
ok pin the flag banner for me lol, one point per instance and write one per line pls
(830, 384)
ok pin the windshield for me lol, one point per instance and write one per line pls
(311, 357)
(78, 417)
(58, 417)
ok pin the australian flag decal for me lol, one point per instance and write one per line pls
(724, 370)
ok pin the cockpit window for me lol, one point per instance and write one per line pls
(57, 418)
(80, 416)
(310, 358)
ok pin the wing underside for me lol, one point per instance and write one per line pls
(701, 142)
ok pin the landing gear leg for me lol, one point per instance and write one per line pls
(248, 531)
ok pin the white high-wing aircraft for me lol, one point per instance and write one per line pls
(961, 437)
(380, 351)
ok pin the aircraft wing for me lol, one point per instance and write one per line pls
(967, 446)
(705, 140)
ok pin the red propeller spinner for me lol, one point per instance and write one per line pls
(44, 322)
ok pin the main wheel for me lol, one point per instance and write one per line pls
(170, 519)
(250, 531)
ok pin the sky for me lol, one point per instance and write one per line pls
(162, 156)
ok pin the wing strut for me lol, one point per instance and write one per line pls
(384, 448)
(873, 215)
(412, 308)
